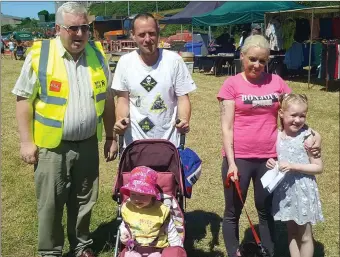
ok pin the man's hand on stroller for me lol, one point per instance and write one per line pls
(121, 125)
(182, 125)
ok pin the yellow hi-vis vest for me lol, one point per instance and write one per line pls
(51, 102)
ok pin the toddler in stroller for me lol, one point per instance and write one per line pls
(150, 169)
(147, 227)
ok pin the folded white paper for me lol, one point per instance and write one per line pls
(272, 178)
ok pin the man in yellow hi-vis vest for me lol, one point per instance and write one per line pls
(63, 98)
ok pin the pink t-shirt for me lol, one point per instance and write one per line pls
(256, 108)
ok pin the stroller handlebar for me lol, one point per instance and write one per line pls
(182, 141)
(120, 144)
(121, 139)
(182, 138)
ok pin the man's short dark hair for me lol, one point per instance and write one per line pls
(144, 16)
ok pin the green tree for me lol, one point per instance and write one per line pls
(45, 13)
(51, 17)
(120, 8)
(26, 21)
(27, 25)
(7, 28)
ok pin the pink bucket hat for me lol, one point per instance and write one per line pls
(142, 180)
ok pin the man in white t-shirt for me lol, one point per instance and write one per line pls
(152, 86)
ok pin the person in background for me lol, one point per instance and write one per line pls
(60, 114)
(256, 29)
(11, 46)
(249, 111)
(153, 87)
(244, 35)
(231, 45)
(19, 50)
(2, 44)
(223, 39)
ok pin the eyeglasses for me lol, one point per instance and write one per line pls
(74, 29)
(254, 59)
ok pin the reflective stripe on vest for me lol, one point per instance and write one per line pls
(50, 105)
(101, 59)
(47, 121)
(45, 48)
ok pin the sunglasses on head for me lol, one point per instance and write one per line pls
(74, 29)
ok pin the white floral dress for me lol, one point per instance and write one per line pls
(297, 196)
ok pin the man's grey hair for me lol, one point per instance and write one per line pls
(69, 7)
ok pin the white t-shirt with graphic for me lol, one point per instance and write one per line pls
(153, 92)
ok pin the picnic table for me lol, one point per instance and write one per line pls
(218, 61)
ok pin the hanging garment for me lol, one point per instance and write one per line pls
(338, 61)
(336, 73)
(274, 34)
(317, 53)
(288, 31)
(332, 58)
(326, 28)
(305, 50)
(316, 28)
(302, 31)
(294, 56)
(328, 61)
(336, 27)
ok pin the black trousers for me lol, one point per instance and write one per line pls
(249, 169)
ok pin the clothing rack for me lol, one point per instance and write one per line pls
(308, 13)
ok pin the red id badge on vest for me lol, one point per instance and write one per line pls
(55, 86)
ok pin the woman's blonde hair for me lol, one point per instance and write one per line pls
(286, 99)
(255, 41)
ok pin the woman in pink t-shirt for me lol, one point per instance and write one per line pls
(249, 108)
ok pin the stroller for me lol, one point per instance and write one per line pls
(162, 156)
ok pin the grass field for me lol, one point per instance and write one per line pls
(205, 209)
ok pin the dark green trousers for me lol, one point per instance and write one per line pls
(66, 175)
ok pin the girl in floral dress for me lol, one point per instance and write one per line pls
(296, 199)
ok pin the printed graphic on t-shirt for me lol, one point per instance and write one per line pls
(148, 83)
(158, 105)
(260, 101)
(146, 124)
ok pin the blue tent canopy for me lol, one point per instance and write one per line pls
(242, 12)
(192, 9)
